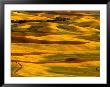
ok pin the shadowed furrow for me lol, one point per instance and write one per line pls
(29, 40)
(32, 53)
(42, 62)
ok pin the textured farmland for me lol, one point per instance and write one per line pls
(69, 48)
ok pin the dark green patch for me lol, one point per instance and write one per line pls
(90, 24)
(92, 37)
(62, 57)
(69, 28)
(74, 71)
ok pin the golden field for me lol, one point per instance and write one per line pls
(69, 48)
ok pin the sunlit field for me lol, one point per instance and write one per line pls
(55, 43)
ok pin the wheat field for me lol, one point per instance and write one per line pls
(55, 44)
